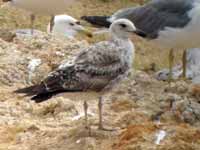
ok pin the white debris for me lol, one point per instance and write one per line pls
(160, 136)
(78, 141)
(59, 53)
(33, 64)
(81, 115)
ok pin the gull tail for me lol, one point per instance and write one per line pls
(39, 92)
(102, 21)
(41, 97)
(32, 90)
(56, 82)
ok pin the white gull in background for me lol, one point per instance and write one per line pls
(172, 24)
(45, 7)
(97, 68)
(67, 26)
(64, 26)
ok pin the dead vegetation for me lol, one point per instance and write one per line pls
(139, 108)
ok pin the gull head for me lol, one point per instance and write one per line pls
(68, 26)
(122, 28)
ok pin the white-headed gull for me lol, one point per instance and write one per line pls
(67, 26)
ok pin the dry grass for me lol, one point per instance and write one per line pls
(49, 126)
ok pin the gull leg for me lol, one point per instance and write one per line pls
(32, 16)
(52, 23)
(184, 60)
(171, 61)
(100, 106)
(86, 116)
(100, 113)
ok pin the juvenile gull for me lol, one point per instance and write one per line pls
(172, 24)
(98, 68)
(46, 7)
(67, 26)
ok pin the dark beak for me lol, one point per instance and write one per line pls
(140, 33)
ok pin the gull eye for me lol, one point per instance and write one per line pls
(123, 25)
(78, 22)
(71, 24)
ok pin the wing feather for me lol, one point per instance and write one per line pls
(93, 68)
(156, 15)
(103, 59)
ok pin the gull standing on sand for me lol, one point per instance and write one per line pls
(173, 24)
(98, 68)
(67, 26)
(45, 7)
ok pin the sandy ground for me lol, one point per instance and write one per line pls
(146, 114)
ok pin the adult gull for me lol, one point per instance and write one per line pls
(172, 24)
(98, 68)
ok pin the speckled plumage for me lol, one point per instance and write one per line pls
(93, 68)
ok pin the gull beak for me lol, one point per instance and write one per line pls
(140, 33)
(84, 31)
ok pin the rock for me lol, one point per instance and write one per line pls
(180, 87)
(187, 111)
(195, 91)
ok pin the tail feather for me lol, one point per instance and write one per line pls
(42, 97)
(53, 84)
(101, 21)
(32, 90)
(40, 94)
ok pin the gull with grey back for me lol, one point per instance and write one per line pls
(98, 68)
(172, 24)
